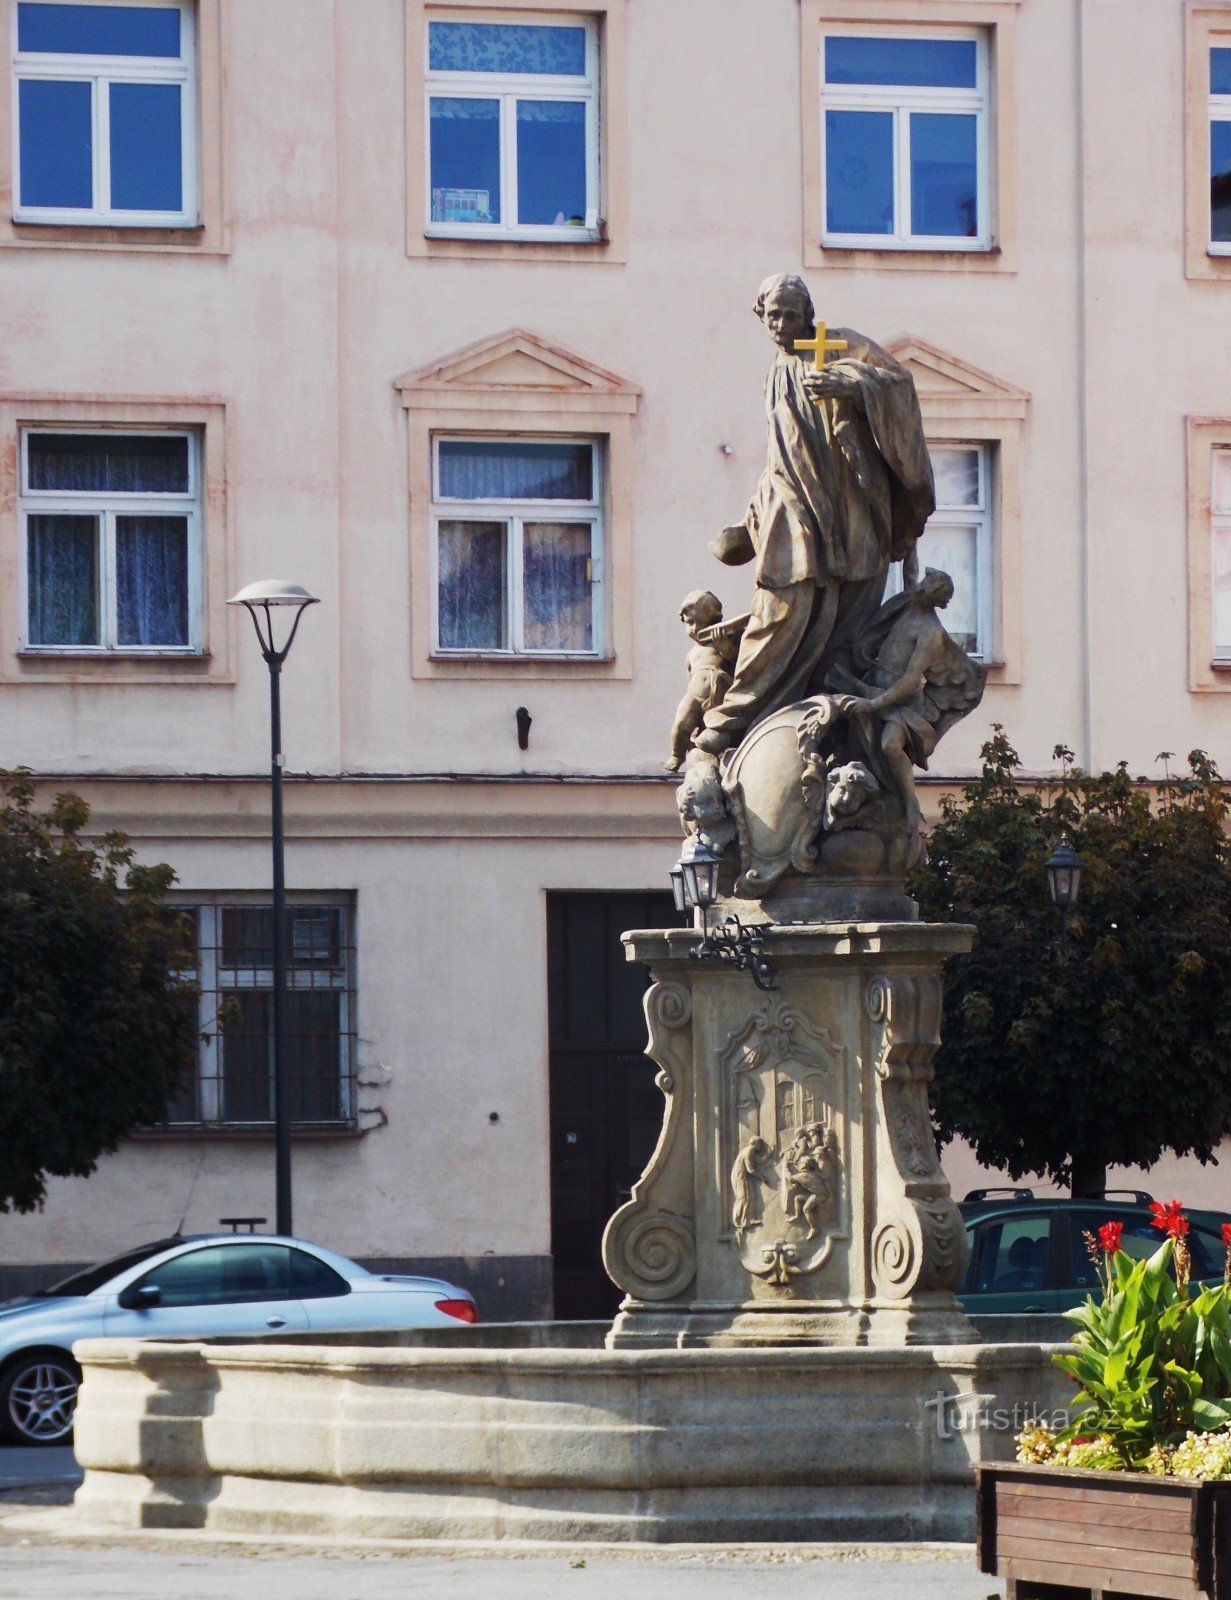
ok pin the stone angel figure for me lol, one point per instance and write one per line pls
(909, 682)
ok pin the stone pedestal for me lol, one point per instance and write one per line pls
(795, 1195)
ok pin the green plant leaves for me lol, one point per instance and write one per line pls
(97, 1023)
(1151, 1364)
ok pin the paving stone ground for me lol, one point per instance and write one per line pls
(37, 1565)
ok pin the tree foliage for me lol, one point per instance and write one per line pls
(1066, 1054)
(97, 1025)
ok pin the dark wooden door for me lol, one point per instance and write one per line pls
(605, 1108)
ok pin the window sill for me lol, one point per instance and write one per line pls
(479, 235)
(525, 669)
(541, 658)
(190, 237)
(581, 245)
(149, 222)
(899, 257)
(234, 1132)
(115, 670)
(158, 658)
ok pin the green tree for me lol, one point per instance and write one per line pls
(1068, 1053)
(97, 1028)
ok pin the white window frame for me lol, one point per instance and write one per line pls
(1219, 111)
(508, 88)
(215, 982)
(100, 72)
(105, 508)
(901, 100)
(1220, 529)
(515, 514)
(981, 518)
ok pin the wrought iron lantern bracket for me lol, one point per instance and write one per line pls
(742, 947)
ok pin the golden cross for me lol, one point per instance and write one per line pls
(820, 346)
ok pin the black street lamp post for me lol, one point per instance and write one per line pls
(260, 600)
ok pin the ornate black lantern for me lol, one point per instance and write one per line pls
(1064, 869)
(694, 883)
(698, 869)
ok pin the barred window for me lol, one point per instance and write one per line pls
(233, 939)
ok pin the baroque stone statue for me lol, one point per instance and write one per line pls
(805, 717)
(795, 1195)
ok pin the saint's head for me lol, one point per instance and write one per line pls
(785, 307)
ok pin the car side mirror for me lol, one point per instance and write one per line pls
(143, 1298)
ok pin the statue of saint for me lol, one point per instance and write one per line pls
(846, 490)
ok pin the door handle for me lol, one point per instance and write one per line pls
(275, 1322)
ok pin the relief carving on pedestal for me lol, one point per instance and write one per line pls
(783, 1127)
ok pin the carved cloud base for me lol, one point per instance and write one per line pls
(795, 1195)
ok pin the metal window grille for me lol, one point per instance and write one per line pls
(233, 940)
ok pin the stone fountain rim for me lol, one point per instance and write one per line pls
(146, 1353)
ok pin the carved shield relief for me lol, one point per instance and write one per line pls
(784, 1143)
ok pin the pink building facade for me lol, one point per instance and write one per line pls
(443, 311)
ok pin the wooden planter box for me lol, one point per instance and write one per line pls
(1048, 1530)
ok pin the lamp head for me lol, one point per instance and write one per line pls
(1064, 869)
(698, 869)
(259, 600)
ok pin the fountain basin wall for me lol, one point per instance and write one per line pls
(364, 1441)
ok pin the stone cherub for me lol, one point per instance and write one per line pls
(911, 681)
(709, 665)
(702, 803)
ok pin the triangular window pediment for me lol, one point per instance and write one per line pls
(943, 379)
(515, 363)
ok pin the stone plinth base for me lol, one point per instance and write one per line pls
(795, 1195)
(679, 1445)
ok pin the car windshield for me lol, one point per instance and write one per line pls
(92, 1278)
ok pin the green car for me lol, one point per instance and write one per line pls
(1030, 1255)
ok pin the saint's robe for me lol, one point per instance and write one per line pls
(846, 490)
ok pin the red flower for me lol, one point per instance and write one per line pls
(1226, 1234)
(1109, 1236)
(1168, 1217)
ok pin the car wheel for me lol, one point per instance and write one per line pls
(38, 1396)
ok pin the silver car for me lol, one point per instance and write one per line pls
(204, 1287)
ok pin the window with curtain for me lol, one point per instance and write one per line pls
(230, 938)
(959, 540)
(512, 121)
(518, 532)
(1220, 149)
(905, 137)
(105, 99)
(112, 527)
(1220, 553)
